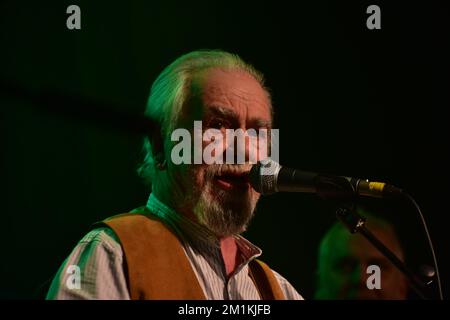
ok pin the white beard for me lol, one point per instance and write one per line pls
(225, 213)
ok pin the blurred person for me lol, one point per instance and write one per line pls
(344, 258)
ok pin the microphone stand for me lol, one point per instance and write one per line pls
(356, 223)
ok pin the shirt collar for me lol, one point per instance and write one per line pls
(195, 233)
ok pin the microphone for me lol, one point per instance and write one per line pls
(268, 177)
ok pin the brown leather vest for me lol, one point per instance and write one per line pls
(158, 268)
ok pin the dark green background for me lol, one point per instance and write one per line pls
(348, 101)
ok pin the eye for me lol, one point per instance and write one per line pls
(383, 264)
(345, 265)
(218, 124)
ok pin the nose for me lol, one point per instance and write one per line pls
(237, 146)
(363, 275)
(251, 146)
(357, 276)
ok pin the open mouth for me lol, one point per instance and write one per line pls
(232, 180)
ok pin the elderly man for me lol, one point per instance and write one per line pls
(185, 243)
(344, 260)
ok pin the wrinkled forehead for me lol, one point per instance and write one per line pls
(220, 79)
(231, 88)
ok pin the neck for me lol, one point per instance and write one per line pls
(230, 255)
(228, 244)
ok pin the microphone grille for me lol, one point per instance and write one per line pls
(263, 176)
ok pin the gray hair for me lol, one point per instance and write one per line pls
(171, 92)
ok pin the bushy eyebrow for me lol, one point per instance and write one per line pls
(223, 112)
(226, 113)
(260, 123)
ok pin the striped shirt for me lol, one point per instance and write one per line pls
(99, 258)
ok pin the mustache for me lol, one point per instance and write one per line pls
(227, 169)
